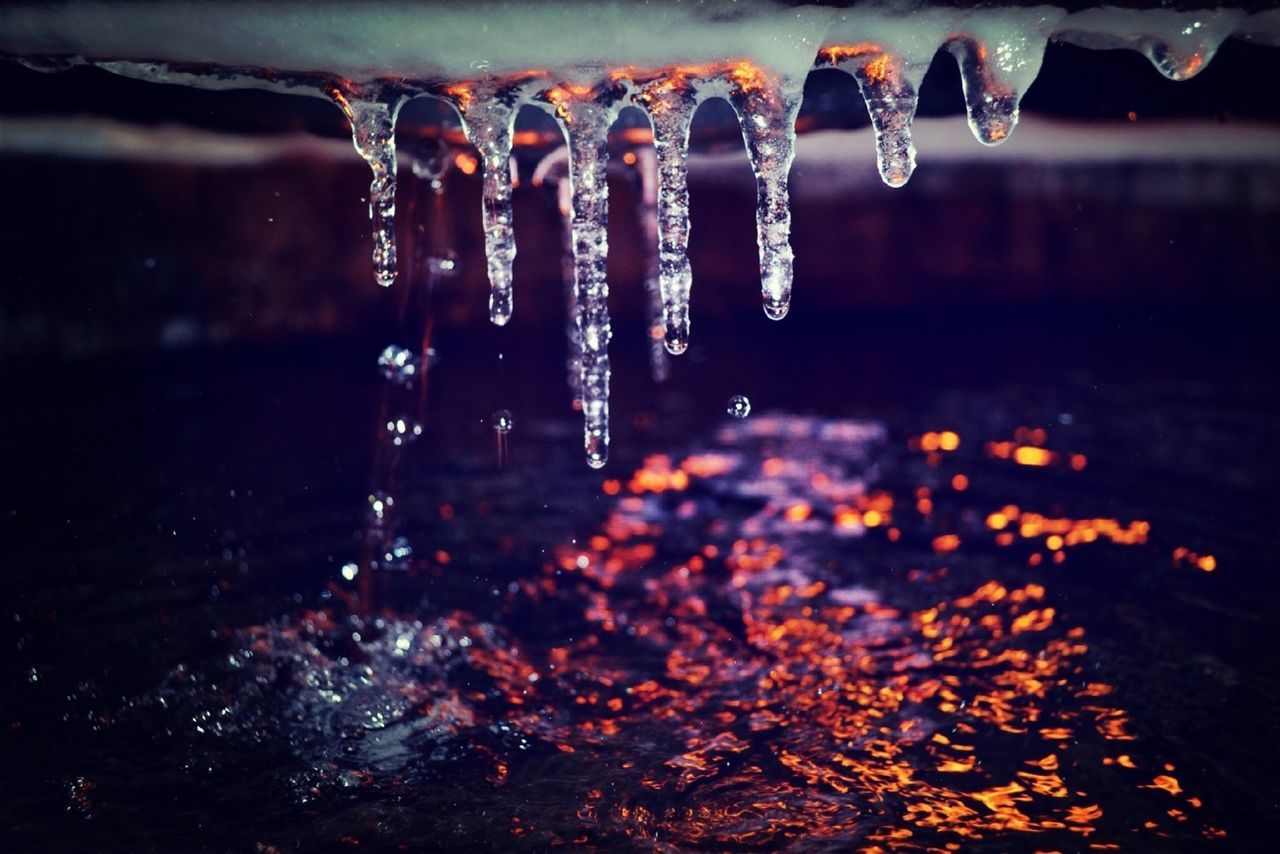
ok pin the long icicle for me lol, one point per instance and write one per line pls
(373, 132)
(489, 116)
(767, 108)
(586, 121)
(671, 105)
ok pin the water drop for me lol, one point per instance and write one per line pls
(739, 406)
(502, 421)
(380, 504)
(442, 266)
(403, 430)
(398, 555)
(399, 365)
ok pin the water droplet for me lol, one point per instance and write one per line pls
(399, 365)
(380, 504)
(502, 421)
(403, 430)
(739, 406)
(442, 266)
(398, 555)
(350, 571)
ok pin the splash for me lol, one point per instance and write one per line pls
(756, 647)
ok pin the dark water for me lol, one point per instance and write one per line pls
(801, 630)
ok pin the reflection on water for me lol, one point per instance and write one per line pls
(791, 635)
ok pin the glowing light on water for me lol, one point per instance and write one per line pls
(734, 667)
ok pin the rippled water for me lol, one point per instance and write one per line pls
(1012, 616)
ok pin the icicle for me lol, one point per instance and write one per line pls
(585, 118)
(888, 86)
(373, 131)
(992, 105)
(670, 103)
(1186, 45)
(646, 166)
(489, 116)
(999, 57)
(1179, 44)
(767, 111)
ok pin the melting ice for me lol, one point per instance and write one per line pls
(590, 61)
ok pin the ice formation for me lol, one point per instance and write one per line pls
(584, 63)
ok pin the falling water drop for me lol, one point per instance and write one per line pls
(399, 365)
(739, 406)
(398, 555)
(403, 430)
(373, 132)
(767, 106)
(502, 421)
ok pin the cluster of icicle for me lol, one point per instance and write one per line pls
(997, 64)
(766, 103)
